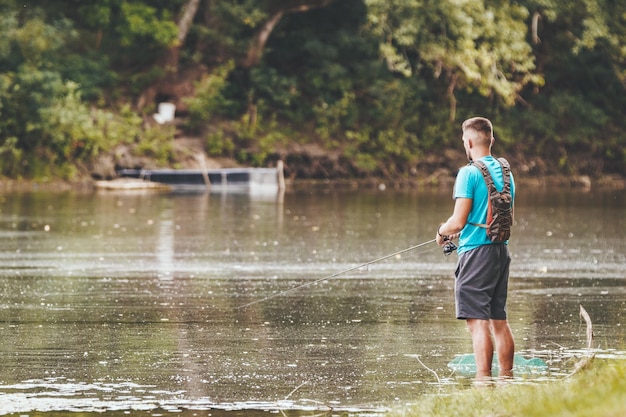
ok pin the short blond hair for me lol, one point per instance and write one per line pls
(482, 126)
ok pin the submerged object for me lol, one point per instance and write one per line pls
(466, 365)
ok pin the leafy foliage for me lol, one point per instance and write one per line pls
(46, 127)
(476, 45)
(382, 82)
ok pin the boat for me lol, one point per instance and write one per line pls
(248, 180)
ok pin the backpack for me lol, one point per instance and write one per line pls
(500, 209)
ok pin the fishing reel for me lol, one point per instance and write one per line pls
(449, 247)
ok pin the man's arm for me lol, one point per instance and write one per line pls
(453, 226)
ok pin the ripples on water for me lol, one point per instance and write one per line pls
(117, 303)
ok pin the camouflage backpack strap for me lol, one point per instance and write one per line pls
(490, 186)
(506, 174)
(486, 174)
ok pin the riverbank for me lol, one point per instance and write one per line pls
(596, 391)
(311, 164)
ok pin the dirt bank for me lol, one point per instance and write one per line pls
(312, 163)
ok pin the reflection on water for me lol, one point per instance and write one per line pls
(120, 302)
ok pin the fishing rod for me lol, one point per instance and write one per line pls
(448, 248)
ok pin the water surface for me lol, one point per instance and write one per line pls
(135, 302)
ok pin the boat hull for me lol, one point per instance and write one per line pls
(220, 180)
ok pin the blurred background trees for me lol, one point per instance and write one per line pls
(383, 84)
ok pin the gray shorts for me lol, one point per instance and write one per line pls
(482, 279)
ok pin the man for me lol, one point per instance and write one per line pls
(483, 266)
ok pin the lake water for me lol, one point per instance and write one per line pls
(158, 303)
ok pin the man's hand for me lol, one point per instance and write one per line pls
(443, 238)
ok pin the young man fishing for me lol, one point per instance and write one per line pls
(482, 270)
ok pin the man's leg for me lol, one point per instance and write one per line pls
(505, 346)
(483, 346)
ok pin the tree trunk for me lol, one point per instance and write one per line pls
(255, 51)
(259, 40)
(453, 80)
(184, 24)
(170, 60)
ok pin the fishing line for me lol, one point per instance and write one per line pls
(415, 254)
(336, 274)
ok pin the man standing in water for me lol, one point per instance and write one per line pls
(483, 265)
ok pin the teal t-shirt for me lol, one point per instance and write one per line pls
(471, 184)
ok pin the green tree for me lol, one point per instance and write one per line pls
(382, 82)
(46, 129)
(577, 115)
(472, 44)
